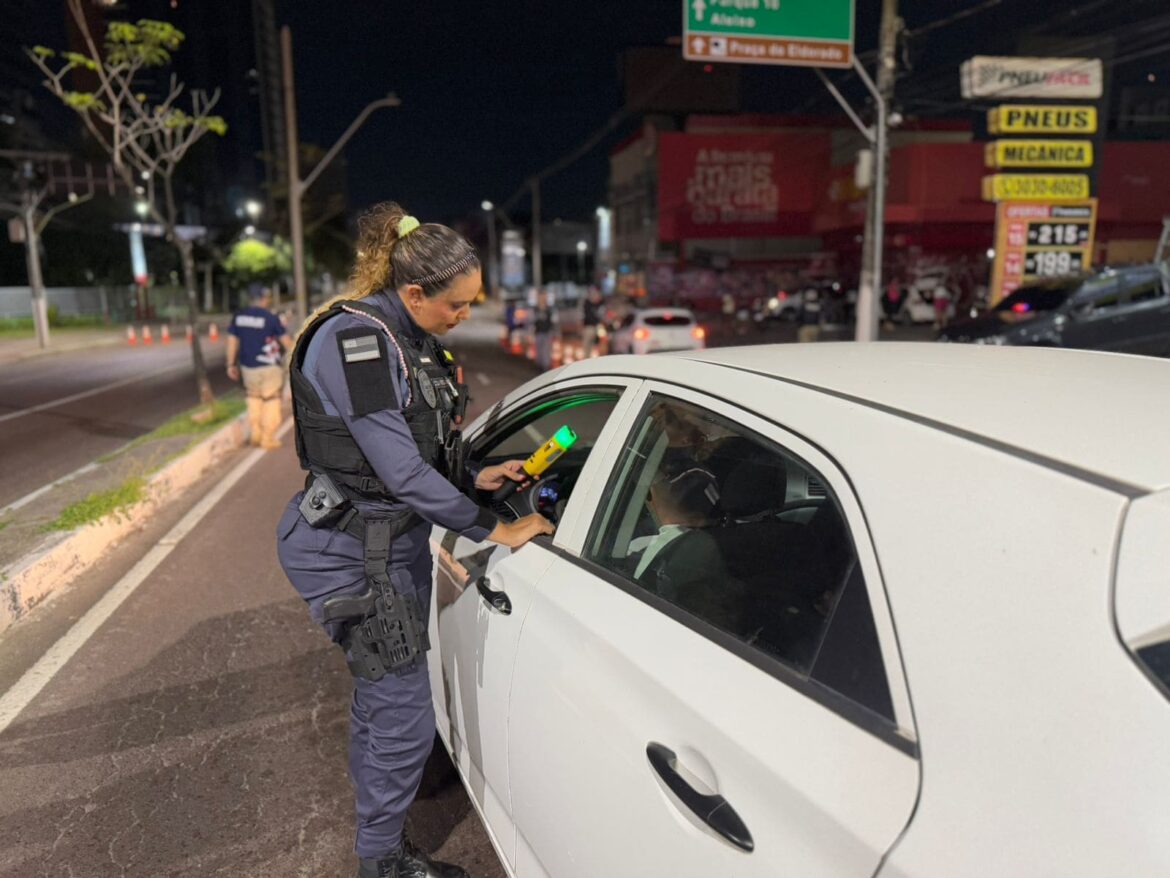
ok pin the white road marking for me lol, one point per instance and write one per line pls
(483, 379)
(28, 498)
(94, 392)
(38, 676)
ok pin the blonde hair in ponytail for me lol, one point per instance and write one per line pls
(377, 235)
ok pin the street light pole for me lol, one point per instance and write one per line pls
(298, 187)
(493, 255)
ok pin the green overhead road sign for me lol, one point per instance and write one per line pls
(807, 33)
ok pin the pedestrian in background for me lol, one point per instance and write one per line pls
(544, 325)
(377, 399)
(256, 339)
(809, 317)
(591, 319)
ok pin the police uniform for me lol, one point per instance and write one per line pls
(374, 399)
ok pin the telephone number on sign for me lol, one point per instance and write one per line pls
(1051, 263)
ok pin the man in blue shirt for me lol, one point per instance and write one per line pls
(255, 341)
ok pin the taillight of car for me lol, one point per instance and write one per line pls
(641, 333)
(699, 332)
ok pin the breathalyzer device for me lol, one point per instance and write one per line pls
(541, 459)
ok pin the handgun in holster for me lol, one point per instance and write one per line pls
(385, 631)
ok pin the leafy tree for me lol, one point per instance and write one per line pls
(254, 261)
(145, 139)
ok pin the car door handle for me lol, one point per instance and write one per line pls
(497, 600)
(714, 810)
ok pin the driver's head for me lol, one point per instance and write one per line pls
(685, 495)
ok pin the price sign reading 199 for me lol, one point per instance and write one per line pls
(1058, 234)
(1052, 263)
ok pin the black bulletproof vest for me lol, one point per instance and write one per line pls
(324, 443)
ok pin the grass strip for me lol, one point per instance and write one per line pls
(99, 505)
(223, 410)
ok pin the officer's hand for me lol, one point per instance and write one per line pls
(233, 372)
(492, 477)
(515, 534)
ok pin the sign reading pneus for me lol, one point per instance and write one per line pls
(1041, 119)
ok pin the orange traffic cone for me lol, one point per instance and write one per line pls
(517, 344)
(213, 333)
(190, 334)
(146, 338)
(531, 350)
(166, 334)
(131, 336)
(558, 351)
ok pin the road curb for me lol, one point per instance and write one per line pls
(61, 558)
(9, 359)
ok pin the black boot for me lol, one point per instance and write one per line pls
(408, 863)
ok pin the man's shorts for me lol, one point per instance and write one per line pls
(264, 382)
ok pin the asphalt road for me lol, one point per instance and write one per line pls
(201, 729)
(61, 412)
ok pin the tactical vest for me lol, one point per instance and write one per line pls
(324, 443)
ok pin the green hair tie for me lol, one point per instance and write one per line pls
(406, 225)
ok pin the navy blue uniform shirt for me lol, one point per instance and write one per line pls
(384, 437)
(259, 332)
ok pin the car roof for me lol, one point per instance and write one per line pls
(1100, 414)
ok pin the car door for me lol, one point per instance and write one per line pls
(1096, 319)
(1144, 327)
(701, 715)
(483, 591)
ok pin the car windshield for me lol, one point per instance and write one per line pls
(1040, 297)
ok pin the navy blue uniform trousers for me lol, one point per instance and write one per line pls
(392, 720)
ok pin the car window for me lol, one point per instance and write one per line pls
(667, 320)
(527, 427)
(1145, 288)
(740, 534)
(1098, 294)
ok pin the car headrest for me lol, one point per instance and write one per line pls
(754, 486)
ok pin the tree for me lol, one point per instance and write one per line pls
(145, 139)
(254, 261)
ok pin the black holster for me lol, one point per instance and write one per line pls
(384, 629)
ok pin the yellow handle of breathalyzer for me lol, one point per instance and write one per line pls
(541, 459)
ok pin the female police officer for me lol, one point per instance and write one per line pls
(375, 397)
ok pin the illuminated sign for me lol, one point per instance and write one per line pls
(990, 77)
(1041, 119)
(1035, 187)
(1041, 240)
(1039, 154)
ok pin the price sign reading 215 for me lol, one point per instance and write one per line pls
(1057, 234)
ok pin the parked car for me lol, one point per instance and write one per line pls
(658, 329)
(1122, 309)
(764, 697)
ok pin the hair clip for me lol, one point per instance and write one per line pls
(406, 225)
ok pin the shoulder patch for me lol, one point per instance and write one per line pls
(360, 348)
(368, 373)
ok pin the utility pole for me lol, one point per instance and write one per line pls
(869, 288)
(296, 226)
(296, 186)
(537, 269)
(493, 281)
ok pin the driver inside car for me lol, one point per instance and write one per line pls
(681, 561)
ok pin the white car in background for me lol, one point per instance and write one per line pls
(653, 330)
(915, 624)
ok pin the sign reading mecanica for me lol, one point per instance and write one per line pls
(1039, 154)
(807, 33)
(1035, 187)
(1041, 119)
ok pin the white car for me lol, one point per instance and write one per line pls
(654, 330)
(822, 611)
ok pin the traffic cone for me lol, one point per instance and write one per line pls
(531, 350)
(190, 334)
(166, 334)
(146, 337)
(131, 336)
(517, 345)
(213, 333)
(558, 352)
